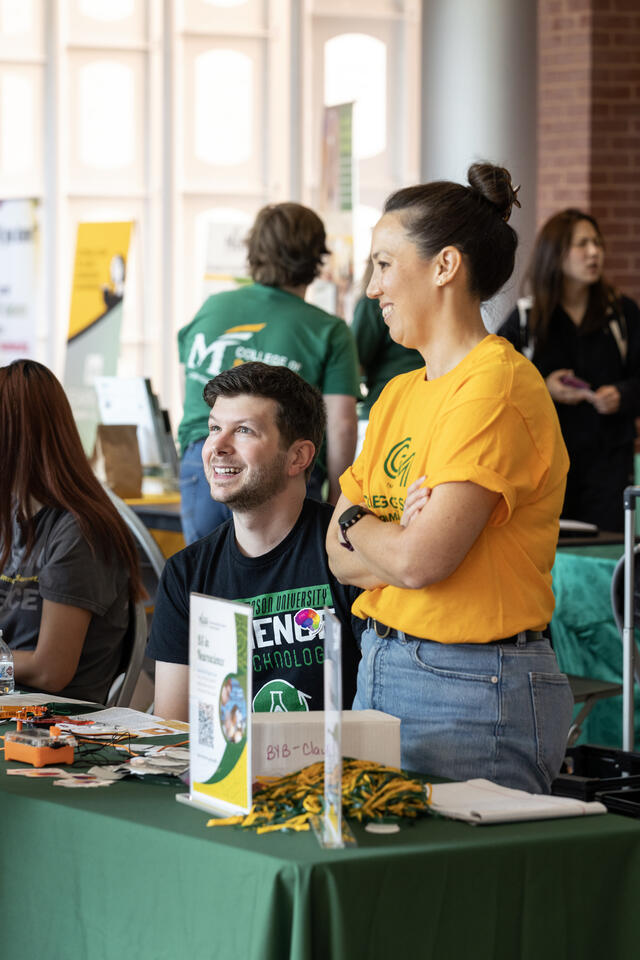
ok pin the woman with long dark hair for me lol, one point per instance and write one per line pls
(68, 565)
(584, 338)
(449, 517)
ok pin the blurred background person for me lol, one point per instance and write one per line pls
(584, 338)
(381, 358)
(269, 321)
(68, 565)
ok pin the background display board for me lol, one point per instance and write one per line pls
(93, 339)
(19, 252)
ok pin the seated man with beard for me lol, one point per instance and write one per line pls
(265, 428)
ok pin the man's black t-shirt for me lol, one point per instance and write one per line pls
(287, 587)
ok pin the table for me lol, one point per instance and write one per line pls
(125, 871)
(585, 636)
(160, 513)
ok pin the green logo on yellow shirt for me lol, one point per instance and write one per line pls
(398, 461)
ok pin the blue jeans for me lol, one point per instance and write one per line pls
(199, 513)
(497, 711)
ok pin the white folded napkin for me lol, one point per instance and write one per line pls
(481, 801)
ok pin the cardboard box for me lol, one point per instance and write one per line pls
(284, 742)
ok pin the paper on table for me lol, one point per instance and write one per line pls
(37, 772)
(37, 700)
(122, 720)
(481, 801)
(82, 782)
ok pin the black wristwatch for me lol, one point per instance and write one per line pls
(347, 519)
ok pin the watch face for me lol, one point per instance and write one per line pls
(349, 515)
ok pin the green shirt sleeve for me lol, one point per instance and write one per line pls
(341, 370)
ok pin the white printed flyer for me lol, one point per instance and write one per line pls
(220, 632)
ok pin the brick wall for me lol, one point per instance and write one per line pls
(589, 122)
(564, 105)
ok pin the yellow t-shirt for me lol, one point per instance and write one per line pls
(490, 420)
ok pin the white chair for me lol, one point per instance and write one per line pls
(152, 563)
(135, 642)
(152, 560)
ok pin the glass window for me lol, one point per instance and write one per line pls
(223, 107)
(17, 122)
(21, 29)
(226, 3)
(106, 9)
(355, 69)
(116, 23)
(364, 220)
(16, 17)
(106, 115)
(222, 16)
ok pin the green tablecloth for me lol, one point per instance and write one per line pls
(126, 872)
(585, 637)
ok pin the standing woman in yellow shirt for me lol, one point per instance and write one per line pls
(449, 517)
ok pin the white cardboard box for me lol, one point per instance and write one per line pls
(284, 742)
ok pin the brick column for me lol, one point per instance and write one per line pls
(589, 122)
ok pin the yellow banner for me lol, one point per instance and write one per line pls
(98, 273)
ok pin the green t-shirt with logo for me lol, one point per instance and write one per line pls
(268, 324)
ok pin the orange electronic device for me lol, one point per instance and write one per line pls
(39, 747)
(15, 712)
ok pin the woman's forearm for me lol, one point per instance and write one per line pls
(378, 550)
(434, 543)
(53, 663)
(348, 566)
(359, 567)
(32, 672)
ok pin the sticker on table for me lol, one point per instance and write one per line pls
(82, 780)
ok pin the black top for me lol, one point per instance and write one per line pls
(594, 357)
(294, 577)
(600, 446)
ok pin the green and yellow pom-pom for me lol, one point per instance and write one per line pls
(370, 792)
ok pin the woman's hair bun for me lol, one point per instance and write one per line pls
(495, 185)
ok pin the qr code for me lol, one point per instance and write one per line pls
(205, 724)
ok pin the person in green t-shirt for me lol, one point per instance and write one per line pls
(269, 321)
(380, 357)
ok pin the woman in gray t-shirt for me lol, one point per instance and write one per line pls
(68, 565)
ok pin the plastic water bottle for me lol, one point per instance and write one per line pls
(7, 682)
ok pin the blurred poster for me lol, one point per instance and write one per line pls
(93, 339)
(224, 251)
(19, 254)
(336, 186)
(333, 290)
